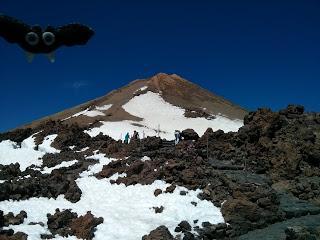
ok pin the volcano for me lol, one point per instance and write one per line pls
(155, 106)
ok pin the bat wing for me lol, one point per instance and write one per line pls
(73, 34)
(13, 30)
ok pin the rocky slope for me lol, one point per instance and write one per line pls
(264, 180)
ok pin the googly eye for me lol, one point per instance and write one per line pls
(32, 38)
(48, 38)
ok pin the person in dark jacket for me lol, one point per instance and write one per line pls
(135, 135)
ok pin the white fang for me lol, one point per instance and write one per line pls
(51, 57)
(30, 56)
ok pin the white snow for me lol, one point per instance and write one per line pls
(25, 155)
(83, 149)
(24, 177)
(127, 211)
(118, 130)
(159, 114)
(47, 170)
(141, 89)
(104, 107)
(145, 158)
(46, 145)
(91, 113)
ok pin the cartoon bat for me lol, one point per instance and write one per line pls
(34, 40)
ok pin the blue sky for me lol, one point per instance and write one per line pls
(254, 53)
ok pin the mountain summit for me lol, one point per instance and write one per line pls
(154, 106)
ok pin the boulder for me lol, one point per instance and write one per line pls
(160, 233)
(189, 134)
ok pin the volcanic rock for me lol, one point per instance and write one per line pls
(160, 233)
(84, 226)
(189, 134)
(67, 223)
(10, 235)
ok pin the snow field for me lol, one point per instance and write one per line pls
(92, 113)
(159, 114)
(127, 211)
(25, 155)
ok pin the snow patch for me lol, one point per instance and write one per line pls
(104, 107)
(145, 158)
(46, 145)
(141, 89)
(91, 113)
(157, 114)
(26, 155)
(83, 149)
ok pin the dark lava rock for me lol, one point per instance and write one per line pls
(189, 134)
(17, 135)
(183, 193)
(50, 160)
(196, 113)
(8, 172)
(157, 192)
(112, 168)
(171, 188)
(10, 235)
(160, 233)
(1, 219)
(245, 215)
(10, 219)
(67, 223)
(135, 168)
(188, 236)
(73, 193)
(84, 226)
(184, 226)
(293, 111)
(299, 233)
(41, 185)
(60, 221)
(214, 231)
(151, 143)
(158, 209)
(37, 223)
(60, 181)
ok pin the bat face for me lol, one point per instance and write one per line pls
(39, 41)
(34, 39)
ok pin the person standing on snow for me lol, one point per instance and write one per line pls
(176, 136)
(135, 135)
(126, 138)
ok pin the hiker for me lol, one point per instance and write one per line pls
(126, 138)
(176, 136)
(135, 135)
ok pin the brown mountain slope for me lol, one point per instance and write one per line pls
(173, 89)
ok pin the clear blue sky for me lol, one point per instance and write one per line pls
(254, 53)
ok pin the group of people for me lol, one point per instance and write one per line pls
(135, 136)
